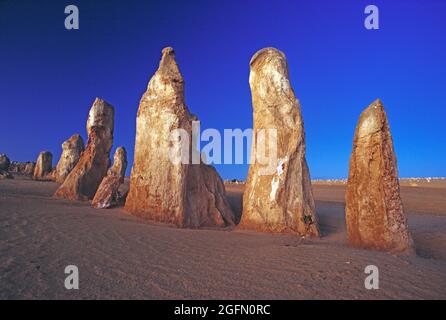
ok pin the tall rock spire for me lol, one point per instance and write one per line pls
(374, 210)
(72, 149)
(83, 181)
(184, 194)
(278, 195)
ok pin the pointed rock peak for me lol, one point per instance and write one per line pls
(168, 66)
(75, 141)
(119, 163)
(372, 119)
(168, 51)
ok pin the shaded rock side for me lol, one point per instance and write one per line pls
(71, 153)
(5, 175)
(83, 181)
(4, 167)
(278, 195)
(184, 194)
(4, 162)
(107, 194)
(374, 210)
(44, 166)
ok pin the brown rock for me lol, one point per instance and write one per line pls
(26, 168)
(374, 210)
(44, 166)
(184, 194)
(278, 195)
(107, 194)
(29, 168)
(5, 175)
(83, 181)
(4, 162)
(71, 153)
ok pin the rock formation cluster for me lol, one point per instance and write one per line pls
(184, 194)
(25, 168)
(166, 185)
(71, 153)
(107, 194)
(278, 195)
(374, 210)
(44, 166)
(83, 181)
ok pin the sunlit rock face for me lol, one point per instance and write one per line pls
(44, 166)
(71, 153)
(278, 195)
(183, 194)
(107, 194)
(83, 181)
(374, 210)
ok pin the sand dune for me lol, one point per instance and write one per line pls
(121, 256)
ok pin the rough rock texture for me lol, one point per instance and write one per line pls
(278, 195)
(107, 194)
(374, 211)
(83, 181)
(26, 168)
(44, 166)
(71, 153)
(184, 194)
(5, 175)
(4, 162)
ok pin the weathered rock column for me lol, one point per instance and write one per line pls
(71, 153)
(107, 194)
(83, 181)
(278, 195)
(184, 194)
(44, 166)
(374, 210)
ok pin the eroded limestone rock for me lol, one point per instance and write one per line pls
(44, 166)
(374, 210)
(83, 181)
(71, 153)
(187, 195)
(107, 194)
(4, 162)
(278, 195)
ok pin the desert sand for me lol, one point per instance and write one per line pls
(124, 257)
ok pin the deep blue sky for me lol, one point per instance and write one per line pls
(49, 76)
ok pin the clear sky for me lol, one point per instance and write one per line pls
(49, 76)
